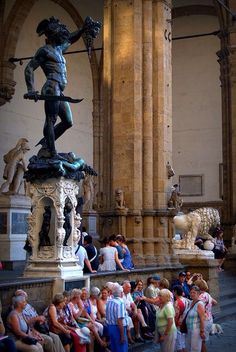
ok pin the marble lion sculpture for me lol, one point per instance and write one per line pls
(195, 223)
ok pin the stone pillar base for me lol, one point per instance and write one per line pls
(190, 254)
(61, 270)
(198, 261)
(14, 210)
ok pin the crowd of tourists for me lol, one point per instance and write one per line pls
(177, 316)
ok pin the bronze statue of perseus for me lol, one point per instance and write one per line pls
(50, 58)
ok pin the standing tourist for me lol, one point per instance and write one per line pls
(127, 261)
(109, 258)
(208, 301)
(181, 306)
(116, 320)
(182, 282)
(165, 322)
(92, 253)
(195, 321)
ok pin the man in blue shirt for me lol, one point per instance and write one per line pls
(182, 282)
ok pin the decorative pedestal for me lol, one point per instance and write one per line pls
(54, 260)
(191, 254)
(14, 210)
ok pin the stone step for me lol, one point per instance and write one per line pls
(228, 302)
(227, 285)
(147, 345)
(228, 313)
(227, 293)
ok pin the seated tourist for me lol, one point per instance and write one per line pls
(219, 249)
(7, 344)
(75, 303)
(199, 242)
(95, 315)
(68, 319)
(152, 290)
(145, 307)
(87, 313)
(55, 319)
(102, 302)
(25, 339)
(135, 314)
(52, 341)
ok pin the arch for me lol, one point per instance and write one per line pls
(193, 10)
(11, 33)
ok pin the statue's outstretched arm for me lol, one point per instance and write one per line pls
(74, 36)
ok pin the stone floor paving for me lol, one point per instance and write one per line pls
(222, 343)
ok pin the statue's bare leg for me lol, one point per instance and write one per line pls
(11, 169)
(66, 122)
(64, 112)
(17, 180)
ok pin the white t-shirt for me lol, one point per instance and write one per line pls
(81, 255)
(128, 300)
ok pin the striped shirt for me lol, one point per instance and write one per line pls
(193, 320)
(115, 309)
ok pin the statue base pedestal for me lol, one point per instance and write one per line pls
(53, 259)
(201, 261)
(193, 254)
(54, 269)
(14, 211)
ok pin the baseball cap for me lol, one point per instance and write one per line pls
(156, 278)
(182, 273)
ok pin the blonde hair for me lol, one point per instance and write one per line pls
(201, 284)
(166, 293)
(164, 283)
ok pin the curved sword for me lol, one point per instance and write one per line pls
(37, 97)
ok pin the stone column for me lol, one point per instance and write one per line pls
(137, 121)
(162, 123)
(227, 61)
(148, 130)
